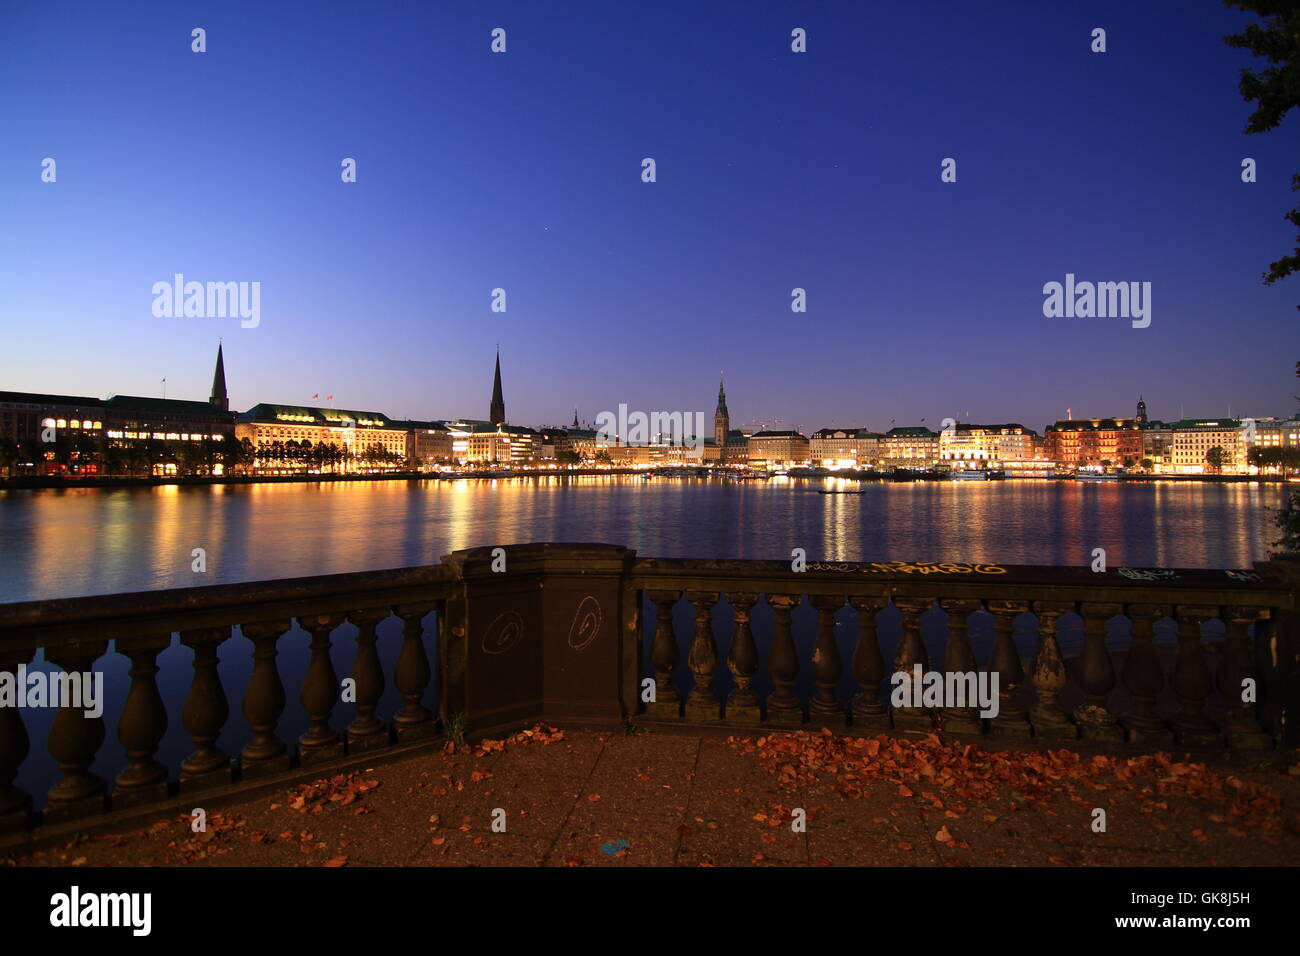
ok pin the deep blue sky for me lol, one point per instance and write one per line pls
(522, 171)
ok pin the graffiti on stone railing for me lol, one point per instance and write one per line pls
(503, 633)
(908, 567)
(923, 567)
(1148, 574)
(1249, 577)
(586, 623)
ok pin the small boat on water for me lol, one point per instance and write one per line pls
(969, 476)
(1094, 476)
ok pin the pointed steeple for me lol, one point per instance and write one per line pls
(1141, 411)
(575, 417)
(497, 413)
(219, 397)
(721, 421)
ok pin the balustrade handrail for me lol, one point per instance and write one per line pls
(1256, 587)
(30, 624)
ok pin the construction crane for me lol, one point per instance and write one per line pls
(764, 422)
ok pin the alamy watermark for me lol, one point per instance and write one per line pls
(208, 300)
(1102, 300)
(932, 689)
(73, 689)
(642, 428)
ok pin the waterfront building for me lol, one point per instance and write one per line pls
(777, 449)
(1096, 442)
(428, 444)
(1194, 437)
(1157, 445)
(277, 434)
(837, 448)
(909, 446)
(502, 444)
(23, 415)
(966, 447)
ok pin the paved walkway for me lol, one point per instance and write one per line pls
(587, 799)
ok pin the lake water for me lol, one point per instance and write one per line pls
(59, 543)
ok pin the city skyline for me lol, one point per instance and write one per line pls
(776, 171)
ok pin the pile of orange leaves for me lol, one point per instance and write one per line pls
(948, 774)
(342, 789)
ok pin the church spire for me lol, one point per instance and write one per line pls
(575, 417)
(497, 413)
(219, 398)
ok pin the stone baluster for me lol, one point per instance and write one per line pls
(663, 656)
(1144, 678)
(367, 731)
(1047, 717)
(783, 708)
(15, 804)
(868, 667)
(412, 675)
(742, 661)
(703, 702)
(1005, 663)
(142, 725)
(75, 739)
(1192, 682)
(1096, 675)
(911, 653)
(959, 658)
(264, 702)
(320, 691)
(826, 709)
(205, 713)
(1241, 727)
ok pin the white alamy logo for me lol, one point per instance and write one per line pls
(641, 428)
(208, 300)
(1102, 300)
(958, 689)
(73, 689)
(75, 908)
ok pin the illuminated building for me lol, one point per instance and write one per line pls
(1095, 442)
(966, 447)
(909, 446)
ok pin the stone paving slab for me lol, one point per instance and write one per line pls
(657, 799)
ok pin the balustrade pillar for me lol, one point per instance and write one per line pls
(412, 675)
(1192, 682)
(783, 707)
(320, 691)
(15, 804)
(826, 708)
(1047, 717)
(205, 713)
(1097, 675)
(703, 702)
(1005, 663)
(1241, 727)
(911, 652)
(75, 738)
(959, 658)
(142, 725)
(868, 667)
(264, 702)
(1144, 678)
(367, 731)
(742, 661)
(664, 655)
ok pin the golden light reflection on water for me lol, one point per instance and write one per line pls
(87, 541)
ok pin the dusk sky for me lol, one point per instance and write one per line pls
(522, 170)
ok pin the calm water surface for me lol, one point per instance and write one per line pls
(56, 543)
